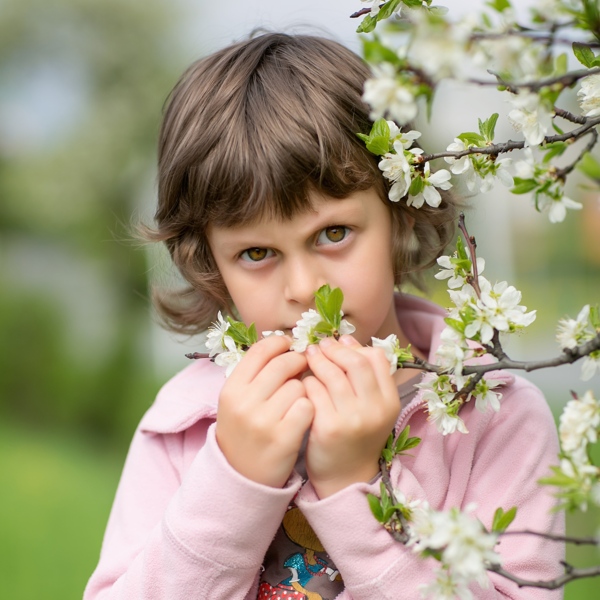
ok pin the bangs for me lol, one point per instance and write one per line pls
(275, 128)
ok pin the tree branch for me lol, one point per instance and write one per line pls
(552, 584)
(591, 541)
(590, 123)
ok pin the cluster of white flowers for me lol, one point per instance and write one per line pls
(225, 352)
(222, 347)
(548, 192)
(305, 334)
(577, 475)
(579, 423)
(471, 322)
(574, 332)
(589, 95)
(479, 171)
(440, 49)
(389, 93)
(530, 116)
(466, 549)
(400, 167)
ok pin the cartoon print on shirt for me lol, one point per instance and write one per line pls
(303, 565)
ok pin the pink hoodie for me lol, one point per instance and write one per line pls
(185, 524)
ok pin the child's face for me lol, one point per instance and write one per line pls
(272, 268)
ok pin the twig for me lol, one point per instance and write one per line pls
(197, 355)
(552, 584)
(568, 356)
(564, 81)
(396, 526)
(511, 145)
(472, 246)
(592, 541)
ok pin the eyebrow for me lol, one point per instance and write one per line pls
(330, 214)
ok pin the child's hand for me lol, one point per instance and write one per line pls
(263, 412)
(356, 406)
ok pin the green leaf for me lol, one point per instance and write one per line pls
(553, 150)
(375, 506)
(380, 128)
(589, 166)
(387, 9)
(503, 519)
(375, 52)
(470, 138)
(560, 64)
(583, 53)
(499, 5)
(367, 25)
(252, 334)
(524, 186)
(335, 299)
(487, 127)
(379, 145)
(455, 324)
(460, 249)
(417, 185)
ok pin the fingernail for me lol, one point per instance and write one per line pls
(311, 350)
(325, 342)
(348, 340)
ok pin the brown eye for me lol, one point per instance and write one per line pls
(255, 254)
(333, 234)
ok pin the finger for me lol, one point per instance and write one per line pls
(353, 362)
(318, 394)
(278, 370)
(297, 420)
(329, 374)
(282, 400)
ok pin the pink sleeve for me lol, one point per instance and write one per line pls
(509, 453)
(204, 537)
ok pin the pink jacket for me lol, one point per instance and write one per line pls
(186, 525)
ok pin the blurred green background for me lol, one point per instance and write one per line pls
(82, 86)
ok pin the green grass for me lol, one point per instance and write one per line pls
(56, 494)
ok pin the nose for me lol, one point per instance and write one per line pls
(302, 279)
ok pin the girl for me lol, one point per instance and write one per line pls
(255, 485)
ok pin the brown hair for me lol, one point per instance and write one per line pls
(249, 132)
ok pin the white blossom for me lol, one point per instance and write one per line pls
(571, 332)
(439, 49)
(346, 328)
(454, 273)
(303, 331)
(589, 366)
(389, 346)
(589, 95)
(386, 94)
(405, 138)
(397, 169)
(451, 353)
(466, 547)
(439, 179)
(555, 203)
(230, 357)
(484, 396)
(497, 308)
(446, 586)
(304, 334)
(215, 336)
(579, 423)
(530, 117)
(440, 414)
